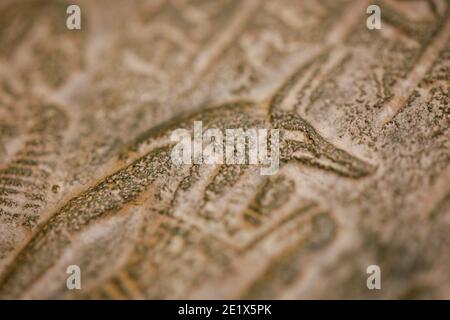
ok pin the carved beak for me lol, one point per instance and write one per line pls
(301, 142)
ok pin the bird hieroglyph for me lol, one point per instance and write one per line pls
(86, 176)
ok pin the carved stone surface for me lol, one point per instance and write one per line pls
(86, 176)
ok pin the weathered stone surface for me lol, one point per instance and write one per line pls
(85, 170)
